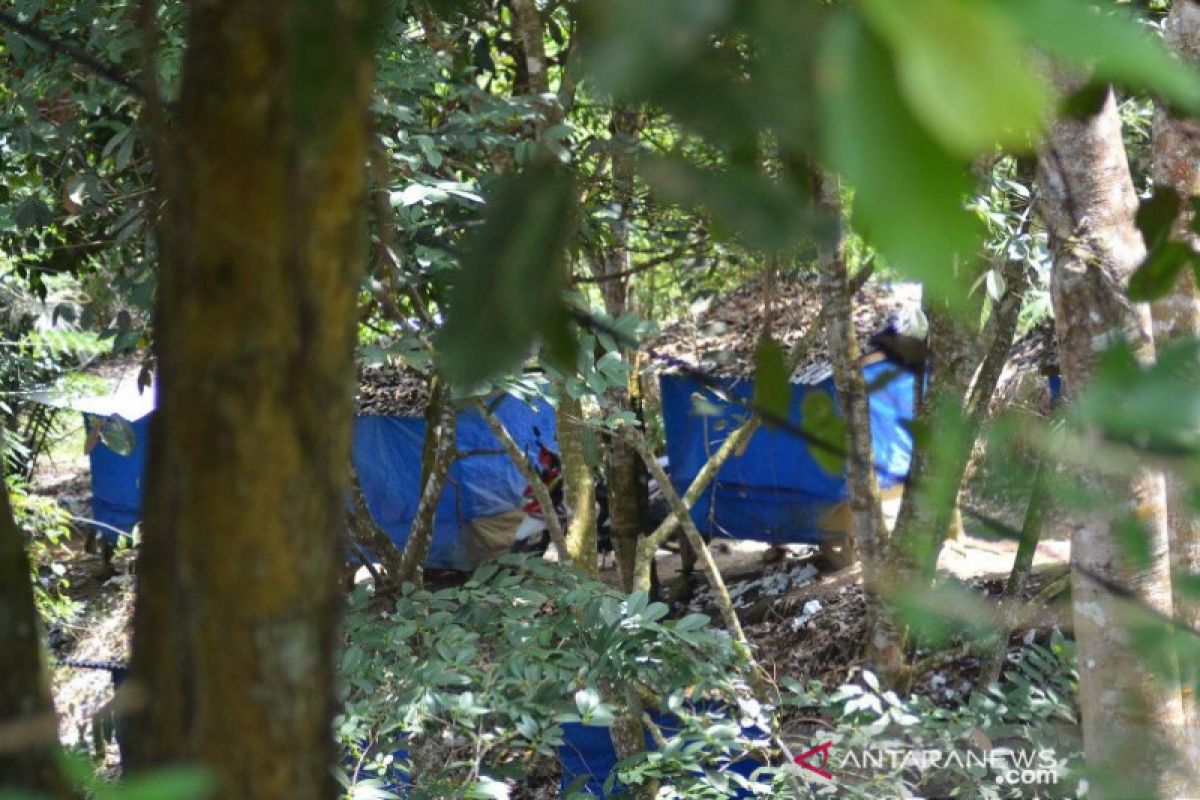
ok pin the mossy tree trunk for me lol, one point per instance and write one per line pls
(627, 501)
(579, 485)
(885, 644)
(28, 729)
(262, 245)
(438, 454)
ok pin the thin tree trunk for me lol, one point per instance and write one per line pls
(962, 379)
(1018, 578)
(885, 649)
(373, 538)
(28, 729)
(1132, 717)
(439, 452)
(579, 484)
(540, 491)
(627, 501)
(1177, 316)
(737, 441)
(262, 245)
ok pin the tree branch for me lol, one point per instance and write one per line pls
(92, 64)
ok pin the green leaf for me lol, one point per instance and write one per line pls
(819, 417)
(171, 783)
(964, 71)
(509, 291)
(1158, 273)
(908, 192)
(1157, 214)
(1165, 259)
(1110, 43)
(117, 435)
(32, 213)
(772, 391)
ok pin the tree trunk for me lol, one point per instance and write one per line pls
(579, 486)
(1177, 316)
(627, 501)
(373, 538)
(28, 730)
(262, 245)
(439, 452)
(885, 645)
(540, 491)
(1132, 718)
(924, 519)
(962, 381)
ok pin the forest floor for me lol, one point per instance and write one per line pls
(805, 622)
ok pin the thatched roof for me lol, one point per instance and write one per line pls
(721, 336)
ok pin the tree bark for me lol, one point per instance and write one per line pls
(627, 500)
(439, 452)
(28, 729)
(540, 491)
(963, 379)
(885, 644)
(1132, 718)
(1177, 316)
(373, 538)
(579, 486)
(262, 246)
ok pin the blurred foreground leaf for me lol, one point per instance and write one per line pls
(962, 69)
(908, 192)
(509, 292)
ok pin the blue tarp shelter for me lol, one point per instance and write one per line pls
(387, 456)
(483, 481)
(776, 491)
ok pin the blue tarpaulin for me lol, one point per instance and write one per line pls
(387, 455)
(587, 755)
(117, 483)
(481, 483)
(776, 491)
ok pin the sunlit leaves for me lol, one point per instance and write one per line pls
(908, 192)
(509, 291)
(963, 70)
(1109, 42)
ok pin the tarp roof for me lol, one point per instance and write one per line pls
(116, 391)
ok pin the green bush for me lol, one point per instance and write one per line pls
(479, 679)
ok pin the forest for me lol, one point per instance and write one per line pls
(535, 399)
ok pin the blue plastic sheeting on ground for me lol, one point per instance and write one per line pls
(117, 484)
(776, 491)
(387, 455)
(587, 752)
(481, 483)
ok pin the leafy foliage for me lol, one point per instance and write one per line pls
(491, 670)
(939, 751)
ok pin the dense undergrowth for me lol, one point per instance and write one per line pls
(458, 692)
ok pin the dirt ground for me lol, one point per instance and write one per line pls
(805, 622)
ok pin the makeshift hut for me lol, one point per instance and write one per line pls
(776, 490)
(483, 493)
